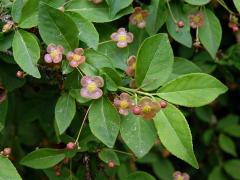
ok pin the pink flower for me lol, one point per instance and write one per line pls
(8, 26)
(54, 54)
(130, 71)
(91, 87)
(196, 20)
(139, 17)
(177, 175)
(122, 37)
(124, 103)
(76, 58)
(148, 108)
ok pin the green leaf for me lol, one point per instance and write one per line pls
(237, 4)
(65, 174)
(87, 31)
(210, 33)
(113, 80)
(64, 112)
(3, 114)
(115, 6)
(233, 130)
(29, 14)
(17, 10)
(118, 56)
(157, 16)
(138, 134)
(139, 175)
(197, 2)
(8, 171)
(217, 174)
(107, 155)
(6, 41)
(181, 35)
(175, 135)
(228, 121)
(95, 13)
(192, 90)
(75, 93)
(163, 168)
(58, 28)
(43, 158)
(26, 52)
(104, 121)
(183, 66)
(154, 63)
(232, 168)
(97, 60)
(227, 144)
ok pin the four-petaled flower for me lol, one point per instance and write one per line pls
(76, 58)
(54, 54)
(148, 107)
(122, 37)
(130, 71)
(196, 20)
(177, 175)
(124, 103)
(139, 17)
(91, 87)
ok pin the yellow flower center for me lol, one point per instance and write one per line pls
(122, 37)
(147, 109)
(54, 53)
(196, 19)
(123, 104)
(91, 87)
(180, 178)
(76, 57)
(134, 66)
(138, 17)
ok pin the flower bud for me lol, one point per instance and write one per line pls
(70, 146)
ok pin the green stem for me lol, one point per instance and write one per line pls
(224, 5)
(136, 91)
(171, 13)
(80, 72)
(80, 130)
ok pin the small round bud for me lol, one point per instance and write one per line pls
(235, 28)
(136, 110)
(57, 173)
(70, 146)
(163, 104)
(111, 164)
(7, 151)
(180, 24)
(20, 74)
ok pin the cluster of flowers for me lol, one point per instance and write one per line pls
(55, 55)
(147, 108)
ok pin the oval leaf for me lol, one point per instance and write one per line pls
(181, 35)
(26, 52)
(218, 174)
(56, 27)
(157, 16)
(43, 158)
(95, 13)
(174, 133)
(232, 168)
(237, 4)
(104, 121)
(115, 6)
(64, 112)
(227, 144)
(197, 2)
(210, 33)
(87, 31)
(154, 62)
(138, 134)
(107, 155)
(192, 90)
(8, 171)
(139, 175)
